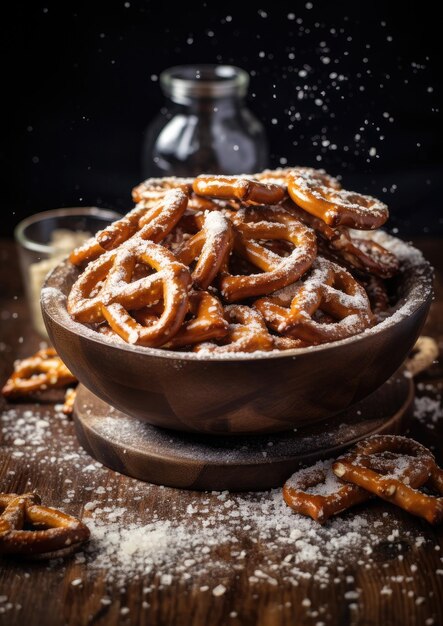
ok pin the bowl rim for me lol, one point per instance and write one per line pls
(422, 288)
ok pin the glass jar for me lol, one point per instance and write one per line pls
(205, 126)
(45, 239)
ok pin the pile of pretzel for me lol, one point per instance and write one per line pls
(388, 466)
(236, 264)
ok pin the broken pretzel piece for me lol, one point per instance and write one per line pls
(29, 529)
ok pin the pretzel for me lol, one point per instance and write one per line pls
(424, 352)
(202, 204)
(336, 206)
(317, 492)
(44, 370)
(68, 404)
(355, 467)
(54, 533)
(281, 175)
(247, 190)
(212, 245)
(378, 296)
(277, 272)
(329, 288)
(247, 332)
(104, 291)
(364, 255)
(153, 189)
(153, 224)
(207, 322)
(241, 237)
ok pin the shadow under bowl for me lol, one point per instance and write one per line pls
(241, 393)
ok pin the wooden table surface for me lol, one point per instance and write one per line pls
(393, 574)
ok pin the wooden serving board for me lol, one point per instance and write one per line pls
(236, 463)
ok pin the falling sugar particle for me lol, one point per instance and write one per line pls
(219, 590)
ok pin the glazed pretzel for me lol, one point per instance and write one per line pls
(281, 175)
(247, 190)
(253, 225)
(153, 224)
(329, 288)
(207, 323)
(378, 296)
(337, 243)
(363, 254)
(44, 370)
(54, 533)
(336, 206)
(202, 204)
(317, 492)
(212, 245)
(355, 467)
(104, 291)
(337, 497)
(247, 332)
(153, 189)
(68, 403)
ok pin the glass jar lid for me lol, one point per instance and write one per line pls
(183, 82)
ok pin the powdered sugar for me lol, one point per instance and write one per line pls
(416, 285)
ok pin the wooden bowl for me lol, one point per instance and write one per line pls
(242, 393)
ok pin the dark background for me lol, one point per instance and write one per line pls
(80, 81)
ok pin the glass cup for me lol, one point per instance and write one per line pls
(45, 239)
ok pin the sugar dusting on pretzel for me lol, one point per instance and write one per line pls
(53, 533)
(237, 238)
(354, 467)
(336, 206)
(153, 224)
(153, 189)
(212, 245)
(277, 272)
(247, 332)
(329, 288)
(316, 491)
(389, 466)
(116, 295)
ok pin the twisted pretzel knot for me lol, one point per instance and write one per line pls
(105, 292)
(316, 491)
(316, 195)
(247, 190)
(152, 223)
(254, 225)
(330, 496)
(54, 532)
(330, 289)
(355, 467)
(356, 253)
(212, 244)
(44, 370)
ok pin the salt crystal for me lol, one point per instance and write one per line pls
(219, 590)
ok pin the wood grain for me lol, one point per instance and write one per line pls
(46, 596)
(204, 462)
